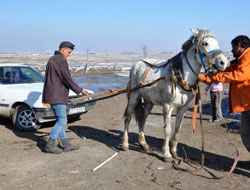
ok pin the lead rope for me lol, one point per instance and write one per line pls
(237, 156)
(111, 93)
(176, 165)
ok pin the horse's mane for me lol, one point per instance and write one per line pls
(199, 37)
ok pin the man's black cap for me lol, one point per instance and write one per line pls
(66, 44)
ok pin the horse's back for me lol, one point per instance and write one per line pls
(161, 92)
(148, 70)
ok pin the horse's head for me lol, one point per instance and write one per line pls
(207, 51)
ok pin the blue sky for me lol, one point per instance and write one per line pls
(117, 25)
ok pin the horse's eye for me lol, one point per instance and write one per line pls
(204, 43)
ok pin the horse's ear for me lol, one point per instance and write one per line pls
(195, 32)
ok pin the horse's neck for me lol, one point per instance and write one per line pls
(189, 77)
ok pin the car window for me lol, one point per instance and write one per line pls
(1, 74)
(17, 75)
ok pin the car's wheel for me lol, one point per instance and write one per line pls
(24, 119)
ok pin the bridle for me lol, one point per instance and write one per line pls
(210, 55)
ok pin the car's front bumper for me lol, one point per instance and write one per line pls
(47, 114)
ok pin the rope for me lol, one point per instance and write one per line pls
(176, 165)
(114, 93)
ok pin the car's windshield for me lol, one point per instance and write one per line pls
(17, 75)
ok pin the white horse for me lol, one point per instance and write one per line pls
(175, 91)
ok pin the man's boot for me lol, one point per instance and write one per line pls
(67, 146)
(52, 148)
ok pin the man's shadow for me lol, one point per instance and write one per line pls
(113, 140)
(37, 136)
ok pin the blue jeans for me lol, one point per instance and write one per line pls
(61, 120)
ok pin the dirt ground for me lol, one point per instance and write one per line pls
(25, 165)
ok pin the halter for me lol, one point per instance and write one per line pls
(209, 54)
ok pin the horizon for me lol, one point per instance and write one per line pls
(139, 52)
(117, 26)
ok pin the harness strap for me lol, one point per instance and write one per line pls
(195, 111)
(207, 55)
(210, 56)
(185, 55)
(176, 75)
(148, 69)
(177, 69)
(179, 79)
(214, 53)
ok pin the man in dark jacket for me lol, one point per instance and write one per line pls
(55, 92)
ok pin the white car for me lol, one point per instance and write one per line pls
(21, 98)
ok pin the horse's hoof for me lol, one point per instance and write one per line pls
(168, 159)
(124, 147)
(175, 156)
(146, 148)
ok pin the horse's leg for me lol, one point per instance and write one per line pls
(179, 118)
(141, 123)
(167, 111)
(132, 102)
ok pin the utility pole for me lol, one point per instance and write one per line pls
(106, 54)
(145, 52)
(87, 60)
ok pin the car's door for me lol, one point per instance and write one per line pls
(7, 78)
(2, 99)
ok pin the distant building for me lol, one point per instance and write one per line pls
(168, 52)
(128, 53)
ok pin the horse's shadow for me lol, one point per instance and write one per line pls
(207, 110)
(113, 140)
(233, 125)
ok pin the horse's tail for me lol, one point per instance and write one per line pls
(138, 111)
(129, 85)
(126, 114)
